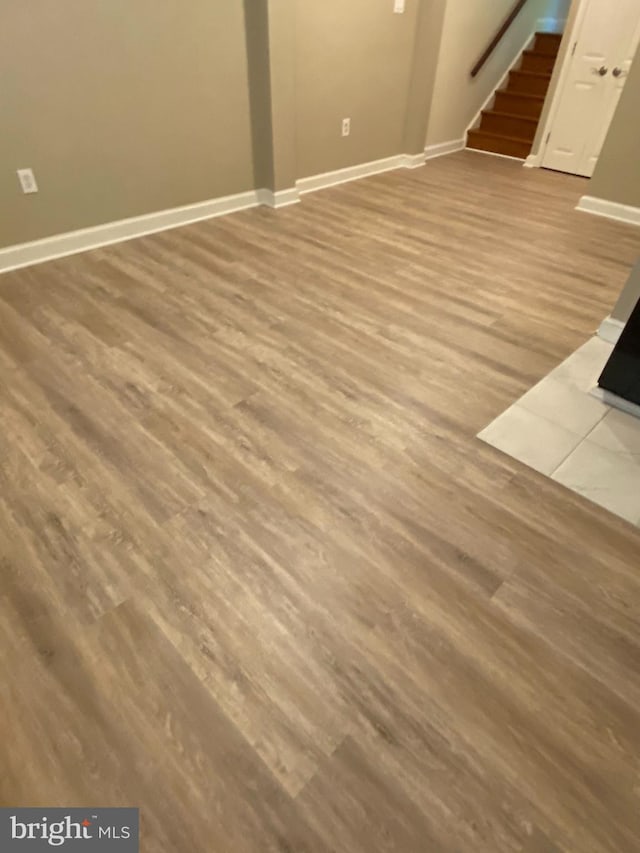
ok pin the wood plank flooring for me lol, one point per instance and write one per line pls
(260, 579)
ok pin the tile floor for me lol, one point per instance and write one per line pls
(562, 430)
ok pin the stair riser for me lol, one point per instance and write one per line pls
(508, 126)
(510, 103)
(537, 62)
(519, 82)
(547, 43)
(499, 146)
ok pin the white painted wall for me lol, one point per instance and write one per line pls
(469, 26)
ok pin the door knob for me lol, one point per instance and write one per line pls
(601, 71)
(618, 72)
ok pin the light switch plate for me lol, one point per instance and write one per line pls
(398, 6)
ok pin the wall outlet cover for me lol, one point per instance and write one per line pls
(27, 181)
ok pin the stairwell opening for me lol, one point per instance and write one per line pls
(509, 126)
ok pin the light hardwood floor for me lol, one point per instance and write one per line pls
(259, 577)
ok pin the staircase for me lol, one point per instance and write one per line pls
(509, 127)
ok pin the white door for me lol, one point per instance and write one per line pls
(606, 36)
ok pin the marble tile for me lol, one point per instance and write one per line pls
(533, 440)
(609, 478)
(584, 366)
(561, 402)
(564, 429)
(618, 432)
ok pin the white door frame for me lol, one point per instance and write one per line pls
(535, 160)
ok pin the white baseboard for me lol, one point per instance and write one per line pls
(533, 161)
(280, 198)
(351, 173)
(443, 148)
(364, 170)
(610, 330)
(73, 242)
(414, 161)
(609, 209)
(60, 245)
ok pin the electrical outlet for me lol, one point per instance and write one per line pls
(398, 7)
(27, 181)
(346, 126)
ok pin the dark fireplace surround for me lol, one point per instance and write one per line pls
(621, 375)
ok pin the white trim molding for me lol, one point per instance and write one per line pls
(280, 198)
(443, 148)
(73, 242)
(609, 209)
(351, 173)
(552, 99)
(60, 245)
(610, 330)
(365, 170)
(414, 161)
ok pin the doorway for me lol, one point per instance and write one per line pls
(603, 41)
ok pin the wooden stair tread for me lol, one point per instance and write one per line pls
(523, 94)
(489, 135)
(529, 95)
(537, 61)
(494, 143)
(531, 73)
(550, 41)
(517, 116)
(533, 52)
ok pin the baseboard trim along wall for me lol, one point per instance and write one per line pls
(60, 245)
(533, 161)
(414, 161)
(361, 170)
(609, 209)
(610, 330)
(442, 148)
(280, 198)
(73, 242)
